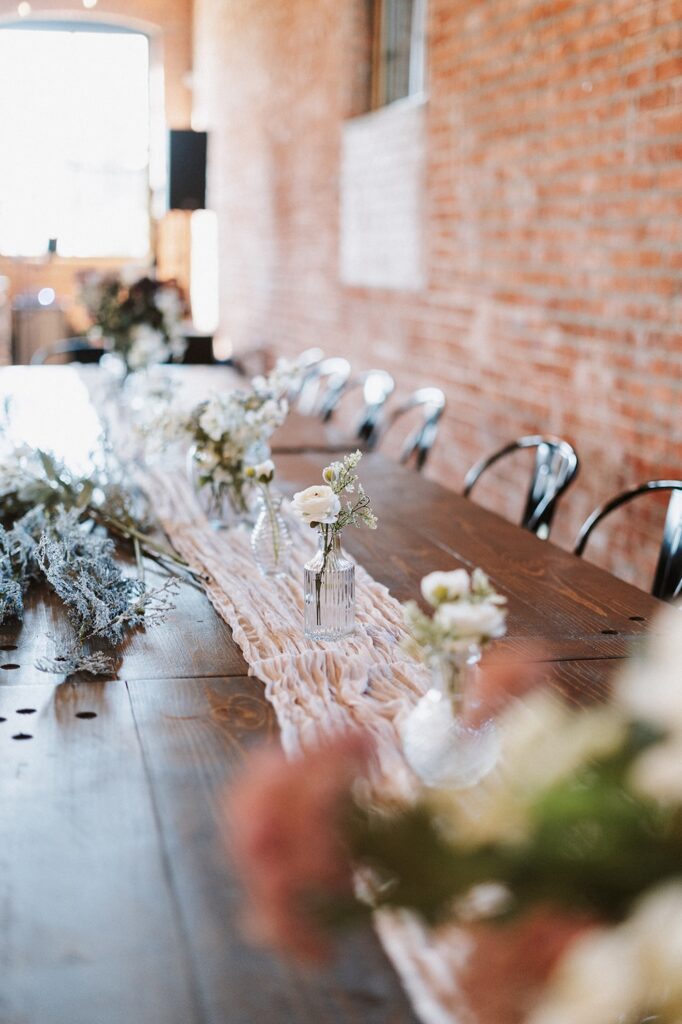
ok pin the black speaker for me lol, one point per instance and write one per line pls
(187, 170)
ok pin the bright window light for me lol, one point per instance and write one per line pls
(204, 262)
(74, 124)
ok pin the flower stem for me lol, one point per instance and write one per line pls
(130, 532)
(274, 525)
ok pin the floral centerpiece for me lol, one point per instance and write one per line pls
(141, 323)
(467, 614)
(329, 578)
(229, 433)
(562, 867)
(270, 539)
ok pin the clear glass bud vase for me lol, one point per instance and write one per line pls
(227, 503)
(270, 538)
(440, 747)
(329, 591)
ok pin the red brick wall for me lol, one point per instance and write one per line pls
(553, 217)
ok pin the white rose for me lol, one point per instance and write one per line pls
(317, 504)
(438, 587)
(471, 620)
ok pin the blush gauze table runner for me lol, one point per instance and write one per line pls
(365, 680)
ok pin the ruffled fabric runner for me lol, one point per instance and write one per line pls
(365, 680)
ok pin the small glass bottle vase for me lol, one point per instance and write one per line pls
(270, 538)
(439, 746)
(329, 592)
(224, 504)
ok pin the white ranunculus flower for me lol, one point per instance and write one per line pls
(316, 504)
(463, 619)
(439, 587)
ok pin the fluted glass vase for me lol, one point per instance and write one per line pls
(440, 746)
(225, 503)
(270, 538)
(329, 591)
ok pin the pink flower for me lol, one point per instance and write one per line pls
(285, 821)
(511, 963)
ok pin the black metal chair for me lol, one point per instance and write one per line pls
(420, 442)
(377, 387)
(70, 350)
(668, 576)
(556, 466)
(307, 362)
(323, 378)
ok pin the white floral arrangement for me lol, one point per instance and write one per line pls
(467, 612)
(320, 506)
(230, 432)
(140, 322)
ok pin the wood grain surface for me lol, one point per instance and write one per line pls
(117, 901)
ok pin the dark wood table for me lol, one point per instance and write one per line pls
(117, 903)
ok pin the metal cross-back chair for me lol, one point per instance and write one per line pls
(307, 362)
(72, 350)
(322, 379)
(420, 442)
(556, 466)
(668, 575)
(377, 387)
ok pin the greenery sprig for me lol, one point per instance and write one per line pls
(59, 527)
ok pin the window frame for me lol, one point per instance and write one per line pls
(380, 97)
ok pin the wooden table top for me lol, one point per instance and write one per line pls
(117, 903)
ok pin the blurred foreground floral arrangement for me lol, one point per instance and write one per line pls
(139, 322)
(563, 864)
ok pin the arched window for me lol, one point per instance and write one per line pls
(74, 140)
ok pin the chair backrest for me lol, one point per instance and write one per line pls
(377, 387)
(556, 466)
(419, 443)
(307, 361)
(668, 576)
(322, 379)
(76, 350)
